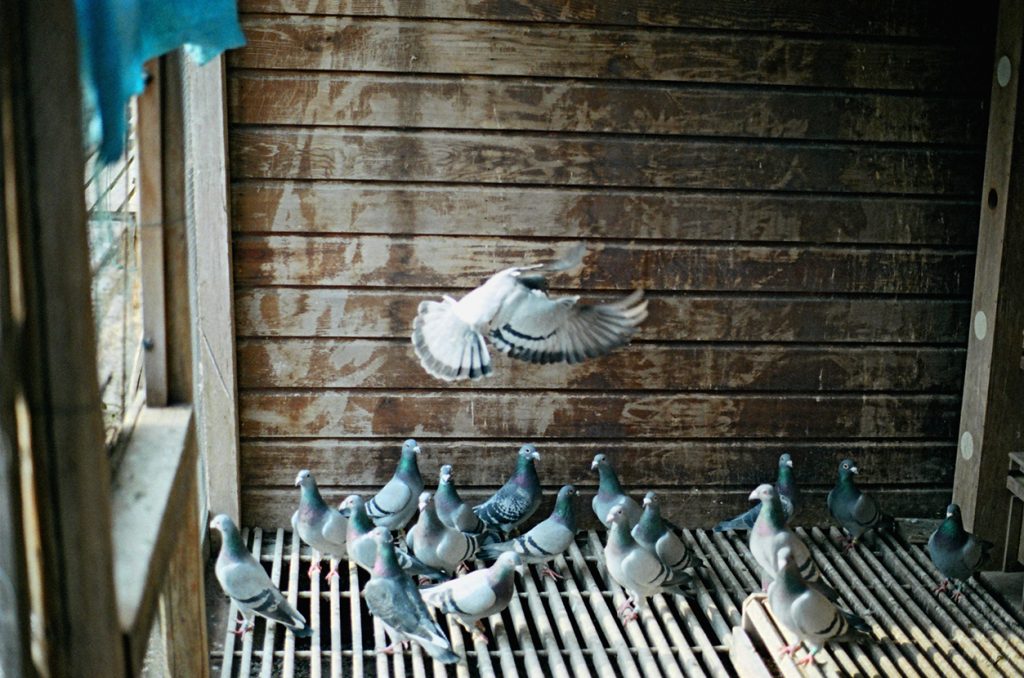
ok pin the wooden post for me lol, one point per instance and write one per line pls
(990, 421)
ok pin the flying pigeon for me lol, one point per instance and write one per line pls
(476, 595)
(814, 618)
(395, 503)
(652, 533)
(393, 598)
(610, 493)
(955, 552)
(435, 543)
(318, 524)
(246, 582)
(636, 569)
(362, 550)
(546, 539)
(452, 511)
(513, 309)
(517, 499)
(770, 535)
(785, 485)
(856, 512)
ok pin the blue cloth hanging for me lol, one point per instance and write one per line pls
(118, 36)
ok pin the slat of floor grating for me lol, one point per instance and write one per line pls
(570, 627)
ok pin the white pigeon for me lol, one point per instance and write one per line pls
(513, 309)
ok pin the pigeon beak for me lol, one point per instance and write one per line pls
(345, 512)
(593, 466)
(853, 469)
(753, 496)
(789, 463)
(647, 502)
(416, 449)
(536, 455)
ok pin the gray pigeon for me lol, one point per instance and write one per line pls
(610, 493)
(652, 533)
(955, 552)
(770, 535)
(435, 543)
(785, 485)
(452, 511)
(814, 618)
(246, 582)
(476, 595)
(362, 550)
(513, 309)
(393, 598)
(636, 569)
(856, 512)
(395, 503)
(516, 500)
(318, 524)
(547, 539)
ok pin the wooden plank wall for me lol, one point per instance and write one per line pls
(796, 183)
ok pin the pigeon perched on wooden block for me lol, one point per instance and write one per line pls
(856, 512)
(516, 500)
(653, 534)
(476, 595)
(814, 618)
(610, 493)
(395, 504)
(362, 550)
(436, 544)
(319, 525)
(246, 582)
(393, 598)
(513, 310)
(785, 485)
(547, 539)
(452, 511)
(956, 553)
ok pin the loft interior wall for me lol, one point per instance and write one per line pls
(799, 192)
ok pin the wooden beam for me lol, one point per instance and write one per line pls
(990, 423)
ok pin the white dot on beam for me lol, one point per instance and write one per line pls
(980, 325)
(1003, 71)
(967, 445)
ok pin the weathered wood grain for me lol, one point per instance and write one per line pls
(324, 312)
(537, 414)
(521, 211)
(569, 160)
(373, 100)
(329, 363)
(428, 261)
(478, 48)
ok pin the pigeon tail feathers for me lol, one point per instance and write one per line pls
(447, 347)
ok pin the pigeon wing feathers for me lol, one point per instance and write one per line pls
(335, 528)
(247, 582)
(505, 507)
(448, 347)
(397, 608)
(816, 618)
(865, 511)
(467, 595)
(391, 498)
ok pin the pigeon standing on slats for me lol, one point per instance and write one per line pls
(393, 598)
(395, 504)
(513, 310)
(785, 485)
(476, 595)
(956, 553)
(517, 499)
(770, 535)
(435, 543)
(362, 550)
(610, 493)
(452, 511)
(547, 539)
(318, 524)
(814, 618)
(639, 571)
(856, 512)
(246, 582)
(652, 533)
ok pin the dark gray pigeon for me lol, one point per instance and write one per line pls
(856, 512)
(246, 582)
(436, 544)
(476, 595)
(318, 524)
(516, 500)
(639, 571)
(546, 539)
(513, 309)
(956, 553)
(452, 511)
(393, 598)
(785, 485)
(653, 534)
(610, 493)
(362, 550)
(814, 619)
(395, 504)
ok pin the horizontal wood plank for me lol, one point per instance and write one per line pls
(503, 49)
(329, 363)
(432, 156)
(431, 262)
(533, 414)
(320, 312)
(511, 211)
(372, 100)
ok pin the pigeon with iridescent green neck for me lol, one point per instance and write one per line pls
(547, 539)
(785, 485)
(652, 533)
(476, 595)
(610, 493)
(395, 504)
(363, 551)
(319, 525)
(856, 512)
(452, 511)
(956, 553)
(516, 500)
(435, 543)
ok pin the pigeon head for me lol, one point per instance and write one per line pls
(424, 500)
(446, 473)
(350, 504)
(410, 446)
(847, 469)
(599, 460)
(304, 478)
(764, 493)
(230, 536)
(222, 523)
(651, 499)
(380, 535)
(786, 460)
(617, 514)
(567, 492)
(528, 451)
(953, 511)
(508, 560)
